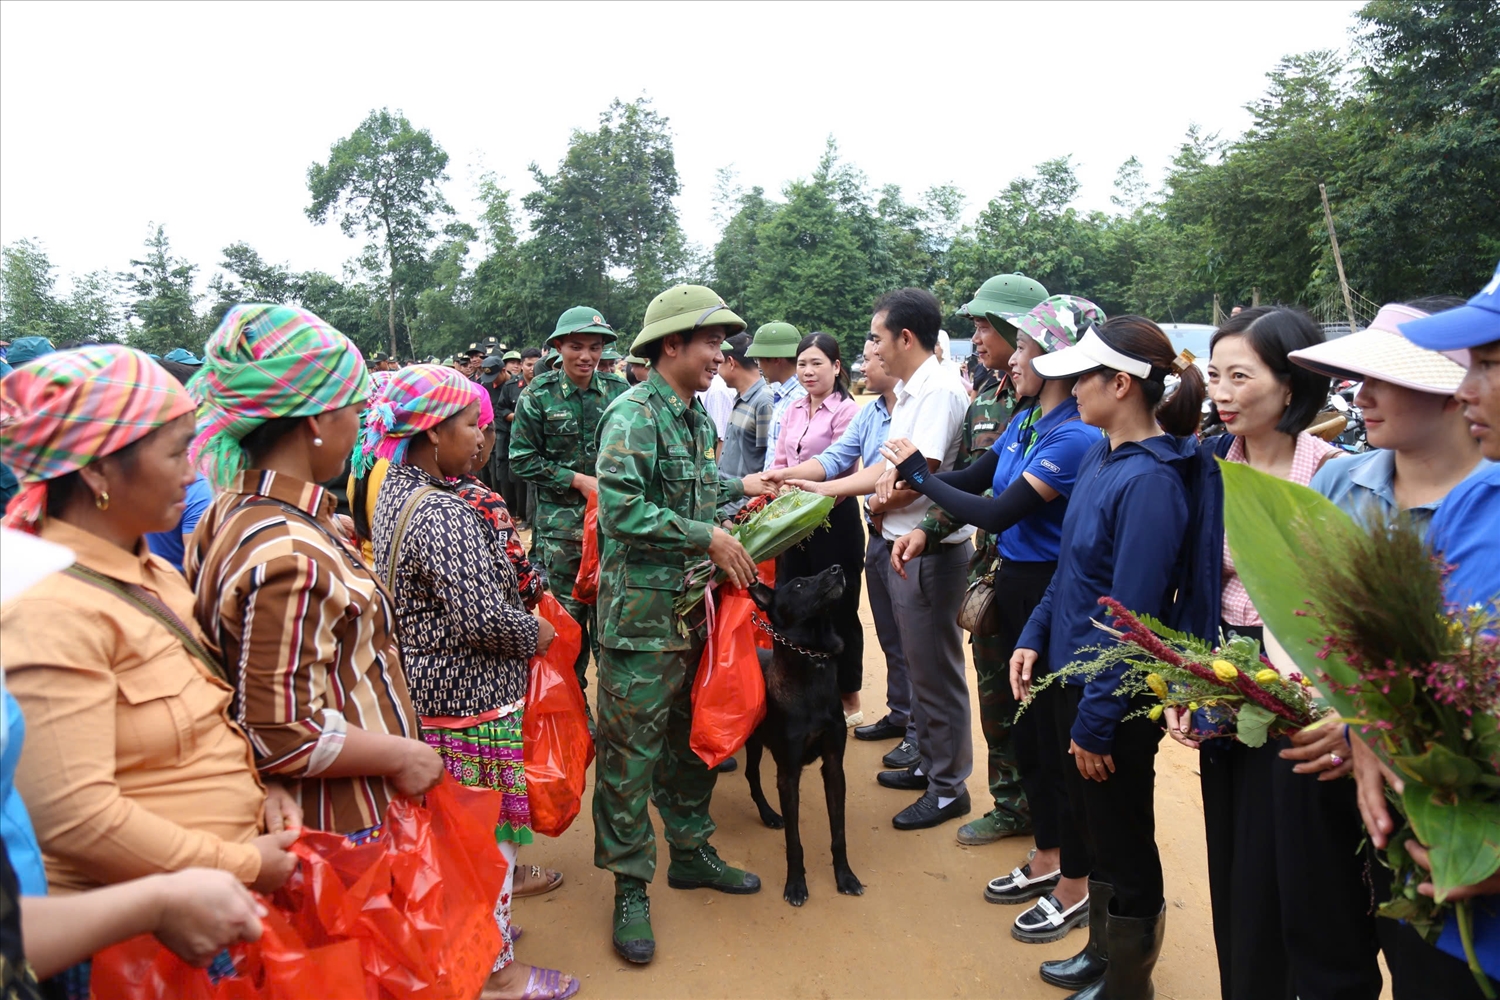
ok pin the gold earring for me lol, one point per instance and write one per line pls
(102, 500)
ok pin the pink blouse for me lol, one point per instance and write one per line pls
(805, 434)
(1311, 453)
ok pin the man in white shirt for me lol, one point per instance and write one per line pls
(775, 348)
(930, 405)
(718, 400)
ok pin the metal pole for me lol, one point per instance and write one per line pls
(1338, 260)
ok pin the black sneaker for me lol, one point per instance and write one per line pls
(903, 754)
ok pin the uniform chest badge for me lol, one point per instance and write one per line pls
(709, 453)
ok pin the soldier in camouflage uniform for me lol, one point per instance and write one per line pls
(553, 442)
(998, 299)
(658, 490)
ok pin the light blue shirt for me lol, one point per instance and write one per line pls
(861, 439)
(783, 395)
(1361, 484)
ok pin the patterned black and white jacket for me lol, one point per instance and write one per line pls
(465, 635)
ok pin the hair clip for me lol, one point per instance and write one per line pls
(1183, 361)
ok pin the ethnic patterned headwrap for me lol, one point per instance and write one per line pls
(416, 399)
(263, 362)
(62, 411)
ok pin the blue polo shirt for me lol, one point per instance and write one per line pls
(169, 544)
(1361, 484)
(1050, 447)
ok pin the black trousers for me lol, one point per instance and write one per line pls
(1114, 827)
(841, 542)
(1418, 969)
(1019, 587)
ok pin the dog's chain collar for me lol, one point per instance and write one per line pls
(765, 627)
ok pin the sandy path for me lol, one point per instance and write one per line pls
(922, 928)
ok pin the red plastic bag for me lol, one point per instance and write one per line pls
(408, 915)
(555, 741)
(767, 576)
(586, 587)
(729, 693)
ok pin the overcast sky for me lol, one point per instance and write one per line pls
(204, 117)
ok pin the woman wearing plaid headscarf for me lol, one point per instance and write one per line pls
(305, 629)
(466, 636)
(132, 766)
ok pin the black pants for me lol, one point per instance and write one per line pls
(841, 542)
(1018, 590)
(1418, 970)
(1114, 825)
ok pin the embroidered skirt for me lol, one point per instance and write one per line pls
(487, 754)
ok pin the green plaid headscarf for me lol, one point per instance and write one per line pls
(268, 361)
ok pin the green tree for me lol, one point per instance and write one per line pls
(165, 304)
(28, 299)
(383, 178)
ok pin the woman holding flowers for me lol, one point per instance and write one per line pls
(466, 636)
(1031, 472)
(1122, 536)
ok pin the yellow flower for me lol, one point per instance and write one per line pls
(1266, 676)
(1157, 685)
(1192, 706)
(1224, 670)
(1306, 683)
(1155, 712)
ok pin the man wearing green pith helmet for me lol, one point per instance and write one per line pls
(658, 490)
(552, 446)
(1000, 299)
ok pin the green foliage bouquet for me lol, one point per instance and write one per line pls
(1241, 693)
(766, 527)
(1361, 607)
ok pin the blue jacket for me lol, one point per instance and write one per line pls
(1134, 531)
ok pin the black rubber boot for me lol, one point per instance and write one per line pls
(1133, 944)
(1086, 967)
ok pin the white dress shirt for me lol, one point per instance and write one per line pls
(929, 411)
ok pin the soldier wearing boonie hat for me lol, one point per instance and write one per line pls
(999, 304)
(552, 446)
(775, 349)
(659, 489)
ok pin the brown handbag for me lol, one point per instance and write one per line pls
(979, 614)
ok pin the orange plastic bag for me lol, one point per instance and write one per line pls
(408, 915)
(729, 693)
(767, 576)
(555, 741)
(586, 587)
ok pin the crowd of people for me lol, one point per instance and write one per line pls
(225, 659)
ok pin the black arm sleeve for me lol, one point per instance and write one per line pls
(976, 477)
(993, 514)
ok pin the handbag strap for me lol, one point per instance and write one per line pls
(147, 602)
(402, 521)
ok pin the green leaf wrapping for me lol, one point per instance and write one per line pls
(1463, 834)
(786, 521)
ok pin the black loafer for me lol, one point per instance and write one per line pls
(882, 730)
(925, 812)
(907, 780)
(903, 754)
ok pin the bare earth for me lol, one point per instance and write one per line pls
(922, 928)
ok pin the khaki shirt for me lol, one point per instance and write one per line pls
(132, 765)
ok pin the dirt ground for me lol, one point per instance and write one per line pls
(922, 928)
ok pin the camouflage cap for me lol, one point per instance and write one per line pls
(775, 340)
(1058, 322)
(1004, 295)
(582, 319)
(683, 308)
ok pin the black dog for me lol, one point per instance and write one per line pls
(804, 717)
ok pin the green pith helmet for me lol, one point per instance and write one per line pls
(511, 356)
(1002, 298)
(610, 354)
(631, 359)
(775, 340)
(549, 359)
(682, 309)
(582, 319)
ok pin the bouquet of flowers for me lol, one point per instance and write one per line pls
(1241, 692)
(766, 527)
(1361, 607)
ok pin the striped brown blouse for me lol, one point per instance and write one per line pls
(307, 637)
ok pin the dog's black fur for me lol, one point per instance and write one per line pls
(804, 718)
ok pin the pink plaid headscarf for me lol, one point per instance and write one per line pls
(62, 411)
(417, 398)
(486, 405)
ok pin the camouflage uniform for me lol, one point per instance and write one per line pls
(986, 420)
(658, 489)
(553, 436)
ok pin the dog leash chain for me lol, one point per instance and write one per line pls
(765, 627)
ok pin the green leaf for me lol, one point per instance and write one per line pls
(1264, 520)
(1439, 768)
(1462, 836)
(1252, 723)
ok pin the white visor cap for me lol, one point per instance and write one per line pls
(1090, 354)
